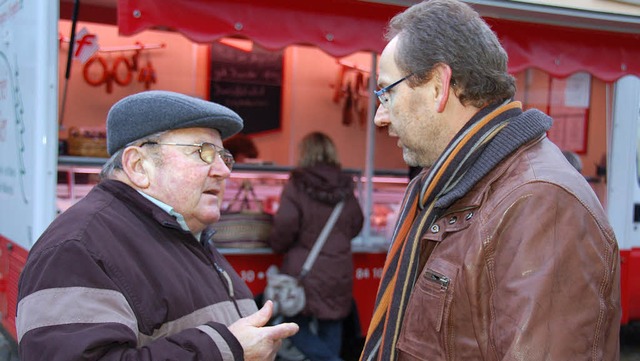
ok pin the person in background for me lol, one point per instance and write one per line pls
(501, 251)
(129, 272)
(307, 200)
(573, 159)
(241, 147)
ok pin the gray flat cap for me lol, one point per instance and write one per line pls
(149, 112)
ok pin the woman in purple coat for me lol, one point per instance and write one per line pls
(307, 200)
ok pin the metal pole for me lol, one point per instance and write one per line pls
(67, 74)
(371, 143)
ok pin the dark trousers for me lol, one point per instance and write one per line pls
(319, 340)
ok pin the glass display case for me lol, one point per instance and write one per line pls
(266, 182)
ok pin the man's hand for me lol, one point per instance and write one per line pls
(260, 342)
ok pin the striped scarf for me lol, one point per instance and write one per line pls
(490, 136)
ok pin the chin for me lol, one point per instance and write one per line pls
(209, 217)
(414, 160)
(410, 159)
(213, 218)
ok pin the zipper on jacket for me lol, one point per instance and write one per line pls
(225, 275)
(203, 246)
(229, 285)
(441, 280)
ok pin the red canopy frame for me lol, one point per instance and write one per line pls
(339, 27)
(562, 51)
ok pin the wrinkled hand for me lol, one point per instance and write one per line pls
(261, 342)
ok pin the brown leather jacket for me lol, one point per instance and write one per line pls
(524, 267)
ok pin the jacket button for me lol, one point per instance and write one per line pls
(468, 216)
(435, 228)
(453, 220)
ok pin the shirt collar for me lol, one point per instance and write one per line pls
(167, 208)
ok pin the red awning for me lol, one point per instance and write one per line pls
(339, 27)
(342, 27)
(562, 51)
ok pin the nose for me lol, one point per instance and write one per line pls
(381, 119)
(218, 169)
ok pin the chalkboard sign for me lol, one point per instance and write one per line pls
(250, 83)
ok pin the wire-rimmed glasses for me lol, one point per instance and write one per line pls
(208, 152)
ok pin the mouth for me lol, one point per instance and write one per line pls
(391, 132)
(213, 192)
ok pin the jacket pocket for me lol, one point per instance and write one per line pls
(424, 327)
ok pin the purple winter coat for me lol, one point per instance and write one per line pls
(306, 202)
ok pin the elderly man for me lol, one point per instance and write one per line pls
(502, 251)
(129, 272)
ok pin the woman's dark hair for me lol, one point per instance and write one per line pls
(318, 148)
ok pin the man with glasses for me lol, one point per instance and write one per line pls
(129, 272)
(502, 251)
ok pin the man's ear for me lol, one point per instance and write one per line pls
(442, 76)
(135, 165)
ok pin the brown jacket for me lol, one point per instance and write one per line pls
(115, 277)
(305, 205)
(524, 267)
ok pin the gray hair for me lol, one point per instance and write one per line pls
(114, 163)
(451, 32)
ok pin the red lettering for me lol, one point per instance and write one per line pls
(85, 40)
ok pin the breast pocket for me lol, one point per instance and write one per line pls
(424, 328)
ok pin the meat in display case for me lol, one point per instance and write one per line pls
(266, 182)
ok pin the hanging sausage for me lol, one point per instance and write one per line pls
(347, 109)
(120, 72)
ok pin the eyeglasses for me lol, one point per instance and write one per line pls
(208, 152)
(383, 94)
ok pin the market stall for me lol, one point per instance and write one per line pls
(558, 41)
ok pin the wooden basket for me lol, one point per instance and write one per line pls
(242, 230)
(244, 227)
(87, 143)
